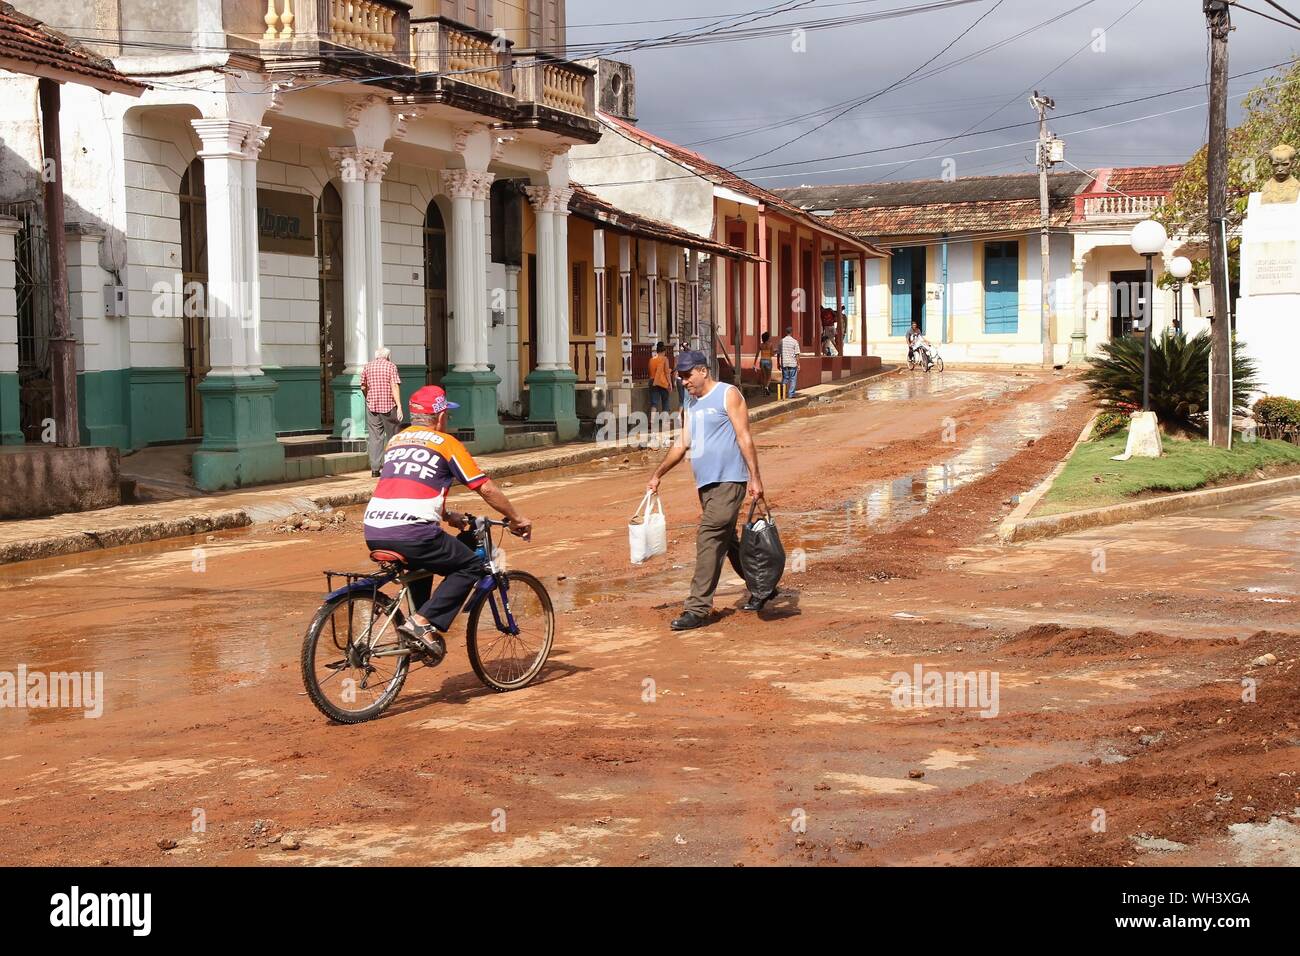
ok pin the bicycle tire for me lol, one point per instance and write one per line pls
(938, 361)
(316, 632)
(515, 579)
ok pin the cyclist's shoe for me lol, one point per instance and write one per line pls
(425, 639)
(688, 621)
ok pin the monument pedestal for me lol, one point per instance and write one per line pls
(1268, 312)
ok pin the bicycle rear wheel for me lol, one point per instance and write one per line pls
(503, 660)
(938, 362)
(353, 664)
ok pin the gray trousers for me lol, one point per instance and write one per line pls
(715, 541)
(380, 426)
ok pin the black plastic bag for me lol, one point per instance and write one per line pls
(762, 556)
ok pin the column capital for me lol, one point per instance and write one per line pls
(221, 137)
(552, 199)
(360, 163)
(551, 153)
(375, 164)
(255, 140)
(466, 183)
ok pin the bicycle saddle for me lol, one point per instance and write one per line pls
(387, 557)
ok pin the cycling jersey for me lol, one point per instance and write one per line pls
(420, 466)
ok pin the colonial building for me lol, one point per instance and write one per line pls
(302, 183)
(790, 256)
(964, 260)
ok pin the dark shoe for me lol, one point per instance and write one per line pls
(373, 473)
(755, 603)
(425, 639)
(688, 621)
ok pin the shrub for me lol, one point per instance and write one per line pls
(1180, 377)
(1276, 410)
(1108, 423)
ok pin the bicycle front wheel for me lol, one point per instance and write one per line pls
(507, 657)
(938, 362)
(353, 664)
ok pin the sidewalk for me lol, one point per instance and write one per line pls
(133, 524)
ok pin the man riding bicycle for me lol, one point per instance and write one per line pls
(405, 514)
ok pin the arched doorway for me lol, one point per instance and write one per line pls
(329, 227)
(435, 295)
(194, 294)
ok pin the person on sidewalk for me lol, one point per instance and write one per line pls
(660, 384)
(789, 361)
(406, 512)
(715, 436)
(379, 384)
(764, 359)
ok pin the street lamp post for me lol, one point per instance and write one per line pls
(1148, 240)
(1180, 267)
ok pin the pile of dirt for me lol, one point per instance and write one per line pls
(312, 521)
(1053, 640)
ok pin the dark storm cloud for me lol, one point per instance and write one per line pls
(692, 93)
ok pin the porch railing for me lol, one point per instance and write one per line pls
(467, 55)
(381, 27)
(582, 358)
(554, 83)
(1118, 208)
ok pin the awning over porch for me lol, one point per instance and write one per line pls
(587, 205)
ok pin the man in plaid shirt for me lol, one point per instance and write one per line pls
(379, 384)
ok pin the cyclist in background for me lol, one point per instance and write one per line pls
(405, 514)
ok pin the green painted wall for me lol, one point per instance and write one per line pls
(413, 379)
(157, 405)
(10, 423)
(297, 400)
(103, 403)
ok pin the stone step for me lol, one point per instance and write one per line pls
(320, 466)
(518, 441)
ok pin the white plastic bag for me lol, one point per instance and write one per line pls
(647, 532)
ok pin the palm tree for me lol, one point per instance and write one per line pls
(1180, 377)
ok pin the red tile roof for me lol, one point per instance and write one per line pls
(1138, 180)
(1017, 215)
(725, 177)
(27, 46)
(591, 207)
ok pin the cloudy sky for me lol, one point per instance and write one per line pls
(738, 99)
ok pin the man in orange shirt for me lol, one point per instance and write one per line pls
(659, 380)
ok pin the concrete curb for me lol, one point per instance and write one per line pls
(1054, 525)
(302, 499)
(1007, 529)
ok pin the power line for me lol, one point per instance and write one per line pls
(1281, 9)
(957, 39)
(1266, 16)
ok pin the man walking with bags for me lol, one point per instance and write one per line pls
(789, 361)
(715, 436)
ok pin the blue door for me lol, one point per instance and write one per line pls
(908, 265)
(1001, 287)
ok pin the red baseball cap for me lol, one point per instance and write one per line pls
(430, 400)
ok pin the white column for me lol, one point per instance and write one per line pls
(253, 143)
(563, 296)
(467, 273)
(1079, 338)
(376, 165)
(652, 290)
(674, 300)
(222, 153)
(551, 206)
(8, 295)
(482, 317)
(627, 305)
(602, 317)
(351, 174)
(512, 333)
(693, 283)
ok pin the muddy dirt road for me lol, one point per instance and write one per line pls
(1118, 732)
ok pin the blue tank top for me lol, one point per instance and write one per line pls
(714, 453)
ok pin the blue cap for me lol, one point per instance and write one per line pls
(690, 359)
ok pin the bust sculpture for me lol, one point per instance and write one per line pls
(1283, 187)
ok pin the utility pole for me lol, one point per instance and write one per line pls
(1045, 161)
(1219, 21)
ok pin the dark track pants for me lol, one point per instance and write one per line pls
(442, 554)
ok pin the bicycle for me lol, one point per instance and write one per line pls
(354, 633)
(935, 359)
